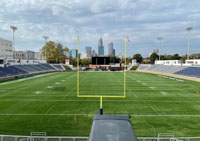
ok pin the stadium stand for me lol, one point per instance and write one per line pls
(179, 70)
(190, 71)
(17, 70)
(58, 66)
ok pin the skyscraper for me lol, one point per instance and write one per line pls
(88, 51)
(73, 53)
(94, 53)
(100, 47)
(110, 49)
(113, 52)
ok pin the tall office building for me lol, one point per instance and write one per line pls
(113, 52)
(100, 47)
(94, 53)
(88, 51)
(110, 49)
(73, 53)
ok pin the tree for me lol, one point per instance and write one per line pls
(168, 57)
(73, 61)
(153, 57)
(176, 57)
(54, 52)
(195, 56)
(162, 57)
(85, 62)
(114, 59)
(138, 58)
(49, 52)
(184, 58)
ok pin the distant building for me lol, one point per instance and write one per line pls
(28, 55)
(19, 55)
(113, 52)
(38, 56)
(6, 49)
(88, 51)
(110, 49)
(100, 47)
(168, 62)
(73, 53)
(194, 62)
(94, 53)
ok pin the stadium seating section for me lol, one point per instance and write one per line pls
(16, 70)
(180, 70)
(58, 66)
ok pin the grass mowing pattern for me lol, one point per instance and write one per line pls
(49, 104)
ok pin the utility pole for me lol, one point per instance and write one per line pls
(45, 38)
(14, 28)
(159, 39)
(188, 29)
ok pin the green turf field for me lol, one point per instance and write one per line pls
(48, 103)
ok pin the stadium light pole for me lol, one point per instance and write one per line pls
(14, 28)
(188, 29)
(45, 38)
(159, 39)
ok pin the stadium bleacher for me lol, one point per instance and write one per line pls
(172, 69)
(58, 66)
(190, 71)
(16, 70)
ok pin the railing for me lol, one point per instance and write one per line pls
(66, 138)
(168, 139)
(41, 138)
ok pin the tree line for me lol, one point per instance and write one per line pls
(154, 56)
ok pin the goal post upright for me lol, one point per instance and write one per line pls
(77, 66)
(100, 96)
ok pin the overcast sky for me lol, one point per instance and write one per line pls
(141, 20)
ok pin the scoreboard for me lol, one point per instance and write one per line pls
(100, 60)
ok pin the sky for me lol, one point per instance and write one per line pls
(143, 21)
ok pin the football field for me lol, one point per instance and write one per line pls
(49, 103)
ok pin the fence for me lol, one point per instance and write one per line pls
(41, 138)
(168, 139)
(64, 138)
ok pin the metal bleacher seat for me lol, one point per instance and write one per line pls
(190, 71)
(24, 69)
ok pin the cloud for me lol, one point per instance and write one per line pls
(62, 20)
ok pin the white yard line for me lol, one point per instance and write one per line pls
(133, 115)
(157, 101)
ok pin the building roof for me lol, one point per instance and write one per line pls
(112, 128)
